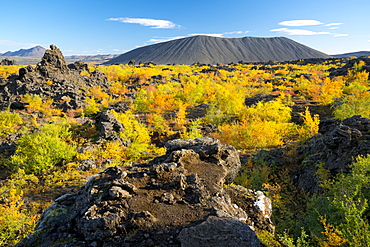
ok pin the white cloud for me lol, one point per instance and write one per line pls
(333, 27)
(220, 35)
(340, 35)
(163, 39)
(153, 23)
(236, 32)
(15, 43)
(288, 31)
(299, 23)
(333, 24)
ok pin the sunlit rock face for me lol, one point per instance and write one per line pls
(179, 199)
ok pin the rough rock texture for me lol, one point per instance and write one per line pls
(178, 199)
(7, 61)
(109, 126)
(250, 101)
(198, 111)
(342, 71)
(336, 146)
(51, 78)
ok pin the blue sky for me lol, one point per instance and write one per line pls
(82, 27)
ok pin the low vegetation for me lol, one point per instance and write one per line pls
(43, 149)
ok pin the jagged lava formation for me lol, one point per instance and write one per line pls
(182, 198)
(52, 78)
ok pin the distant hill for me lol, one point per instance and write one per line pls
(33, 56)
(212, 50)
(354, 54)
(90, 58)
(37, 51)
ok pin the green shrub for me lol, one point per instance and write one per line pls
(340, 213)
(354, 104)
(137, 135)
(42, 149)
(8, 121)
(193, 131)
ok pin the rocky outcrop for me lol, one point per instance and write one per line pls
(250, 101)
(51, 78)
(349, 65)
(109, 126)
(7, 61)
(335, 147)
(183, 198)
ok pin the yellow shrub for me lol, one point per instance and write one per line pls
(268, 238)
(274, 110)
(63, 176)
(138, 136)
(157, 123)
(325, 91)
(108, 150)
(9, 122)
(310, 125)
(15, 222)
(92, 106)
(36, 104)
(254, 135)
(332, 235)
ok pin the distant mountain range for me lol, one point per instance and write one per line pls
(33, 55)
(90, 58)
(37, 51)
(354, 54)
(212, 50)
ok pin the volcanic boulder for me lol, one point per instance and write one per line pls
(7, 61)
(51, 78)
(109, 126)
(336, 147)
(182, 198)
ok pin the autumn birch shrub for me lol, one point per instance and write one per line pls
(310, 125)
(263, 125)
(9, 122)
(356, 98)
(354, 104)
(16, 222)
(7, 70)
(326, 90)
(38, 105)
(343, 207)
(24, 196)
(42, 149)
(194, 90)
(138, 135)
(96, 100)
